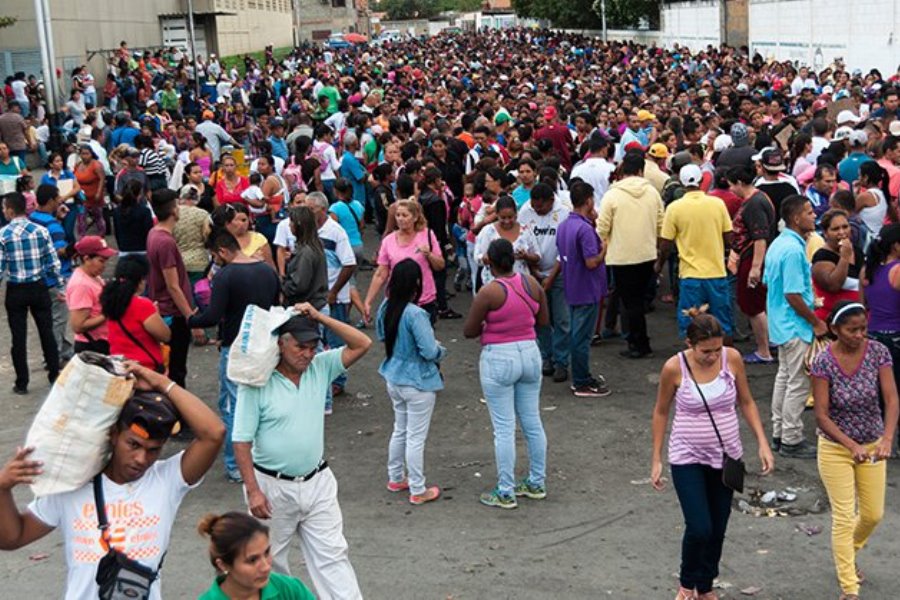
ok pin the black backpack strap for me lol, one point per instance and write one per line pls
(100, 505)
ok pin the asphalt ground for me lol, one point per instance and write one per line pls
(602, 531)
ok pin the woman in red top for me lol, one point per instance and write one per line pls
(230, 185)
(838, 266)
(136, 329)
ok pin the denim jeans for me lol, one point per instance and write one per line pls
(584, 319)
(340, 312)
(706, 505)
(553, 339)
(412, 417)
(511, 381)
(227, 401)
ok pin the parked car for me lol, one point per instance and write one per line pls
(336, 41)
(388, 35)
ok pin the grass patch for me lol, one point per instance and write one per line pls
(258, 56)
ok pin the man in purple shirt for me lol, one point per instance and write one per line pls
(584, 275)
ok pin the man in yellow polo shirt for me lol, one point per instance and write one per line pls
(700, 227)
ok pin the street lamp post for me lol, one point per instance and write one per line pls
(190, 4)
(48, 66)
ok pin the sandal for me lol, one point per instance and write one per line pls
(849, 597)
(685, 594)
(754, 358)
(860, 576)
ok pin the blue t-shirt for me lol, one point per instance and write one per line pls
(521, 195)
(349, 215)
(58, 235)
(355, 172)
(787, 272)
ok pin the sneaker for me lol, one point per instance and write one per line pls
(636, 353)
(560, 374)
(432, 493)
(495, 498)
(597, 340)
(547, 369)
(361, 324)
(234, 477)
(449, 314)
(20, 390)
(802, 450)
(753, 358)
(597, 388)
(529, 490)
(397, 486)
(775, 444)
(329, 408)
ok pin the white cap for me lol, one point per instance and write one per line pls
(690, 175)
(722, 142)
(842, 133)
(846, 116)
(895, 128)
(858, 137)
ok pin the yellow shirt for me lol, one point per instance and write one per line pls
(257, 241)
(631, 215)
(696, 222)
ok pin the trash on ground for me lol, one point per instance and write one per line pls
(809, 530)
(751, 591)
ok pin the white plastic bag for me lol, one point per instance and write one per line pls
(254, 352)
(70, 432)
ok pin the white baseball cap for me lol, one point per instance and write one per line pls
(690, 175)
(722, 142)
(846, 116)
(858, 137)
(842, 133)
(895, 128)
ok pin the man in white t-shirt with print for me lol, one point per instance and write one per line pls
(141, 493)
(542, 215)
(595, 169)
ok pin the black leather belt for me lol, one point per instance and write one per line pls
(278, 475)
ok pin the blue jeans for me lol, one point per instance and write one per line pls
(332, 340)
(584, 319)
(706, 505)
(553, 339)
(412, 417)
(511, 381)
(715, 292)
(227, 401)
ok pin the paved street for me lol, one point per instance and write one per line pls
(602, 531)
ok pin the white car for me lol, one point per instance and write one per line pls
(388, 35)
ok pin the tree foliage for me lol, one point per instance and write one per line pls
(398, 10)
(7, 21)
(585, 14)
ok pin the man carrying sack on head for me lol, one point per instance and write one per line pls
(138, 493)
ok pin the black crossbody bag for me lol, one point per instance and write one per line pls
(157, 366)
(119, 577)
(733, 469)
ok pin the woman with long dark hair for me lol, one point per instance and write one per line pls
(132, 219)
(136, 329)
(873, 196)
(411, 372)
(504, 314)
(306, 274)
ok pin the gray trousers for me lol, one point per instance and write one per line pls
(60, 313)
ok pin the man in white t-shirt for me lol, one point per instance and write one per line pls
(595, 169)
(542, 215)
(141, 493)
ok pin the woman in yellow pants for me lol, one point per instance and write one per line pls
(854, 439)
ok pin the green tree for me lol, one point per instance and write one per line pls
(398, 10)
(585, 14)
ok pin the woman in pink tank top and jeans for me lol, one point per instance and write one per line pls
(504, 313)
(706, 370)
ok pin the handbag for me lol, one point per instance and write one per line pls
(119, 577)
(733, 469)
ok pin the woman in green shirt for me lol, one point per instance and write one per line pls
(240, 552)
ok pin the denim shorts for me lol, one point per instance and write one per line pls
(697, 292)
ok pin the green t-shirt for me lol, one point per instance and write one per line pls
(281, 587)
(14, 167)
(333, 98)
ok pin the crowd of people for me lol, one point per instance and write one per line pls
(572, 185)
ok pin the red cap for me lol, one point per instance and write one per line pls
(633, 146)
(93, 245)
(819, 105)
(550, 112)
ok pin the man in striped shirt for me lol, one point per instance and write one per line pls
(27, 256)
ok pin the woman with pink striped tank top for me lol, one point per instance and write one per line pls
(706, 374)
(504, 313)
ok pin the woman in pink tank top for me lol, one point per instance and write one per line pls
(504, 313)
(707, 374)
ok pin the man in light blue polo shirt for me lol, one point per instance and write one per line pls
(278, 436)
(792, 324)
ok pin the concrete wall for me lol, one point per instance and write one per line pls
(318, 20)
(692, 24)
(815, 32)
(253, 28)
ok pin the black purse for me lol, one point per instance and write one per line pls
(119, 577)
(157, 366)
(733, 469)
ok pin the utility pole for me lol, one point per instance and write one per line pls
(603, 19)
(48, 66)
(190, 4)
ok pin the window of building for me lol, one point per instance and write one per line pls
(338, 3)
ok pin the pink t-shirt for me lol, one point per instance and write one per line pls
(83, 292)
(391, 253)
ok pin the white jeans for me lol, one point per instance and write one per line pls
(311, 509)
(412, 418)
(790, 392)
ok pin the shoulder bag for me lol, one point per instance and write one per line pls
(119, 577)
(157, 366)
(733, 469)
